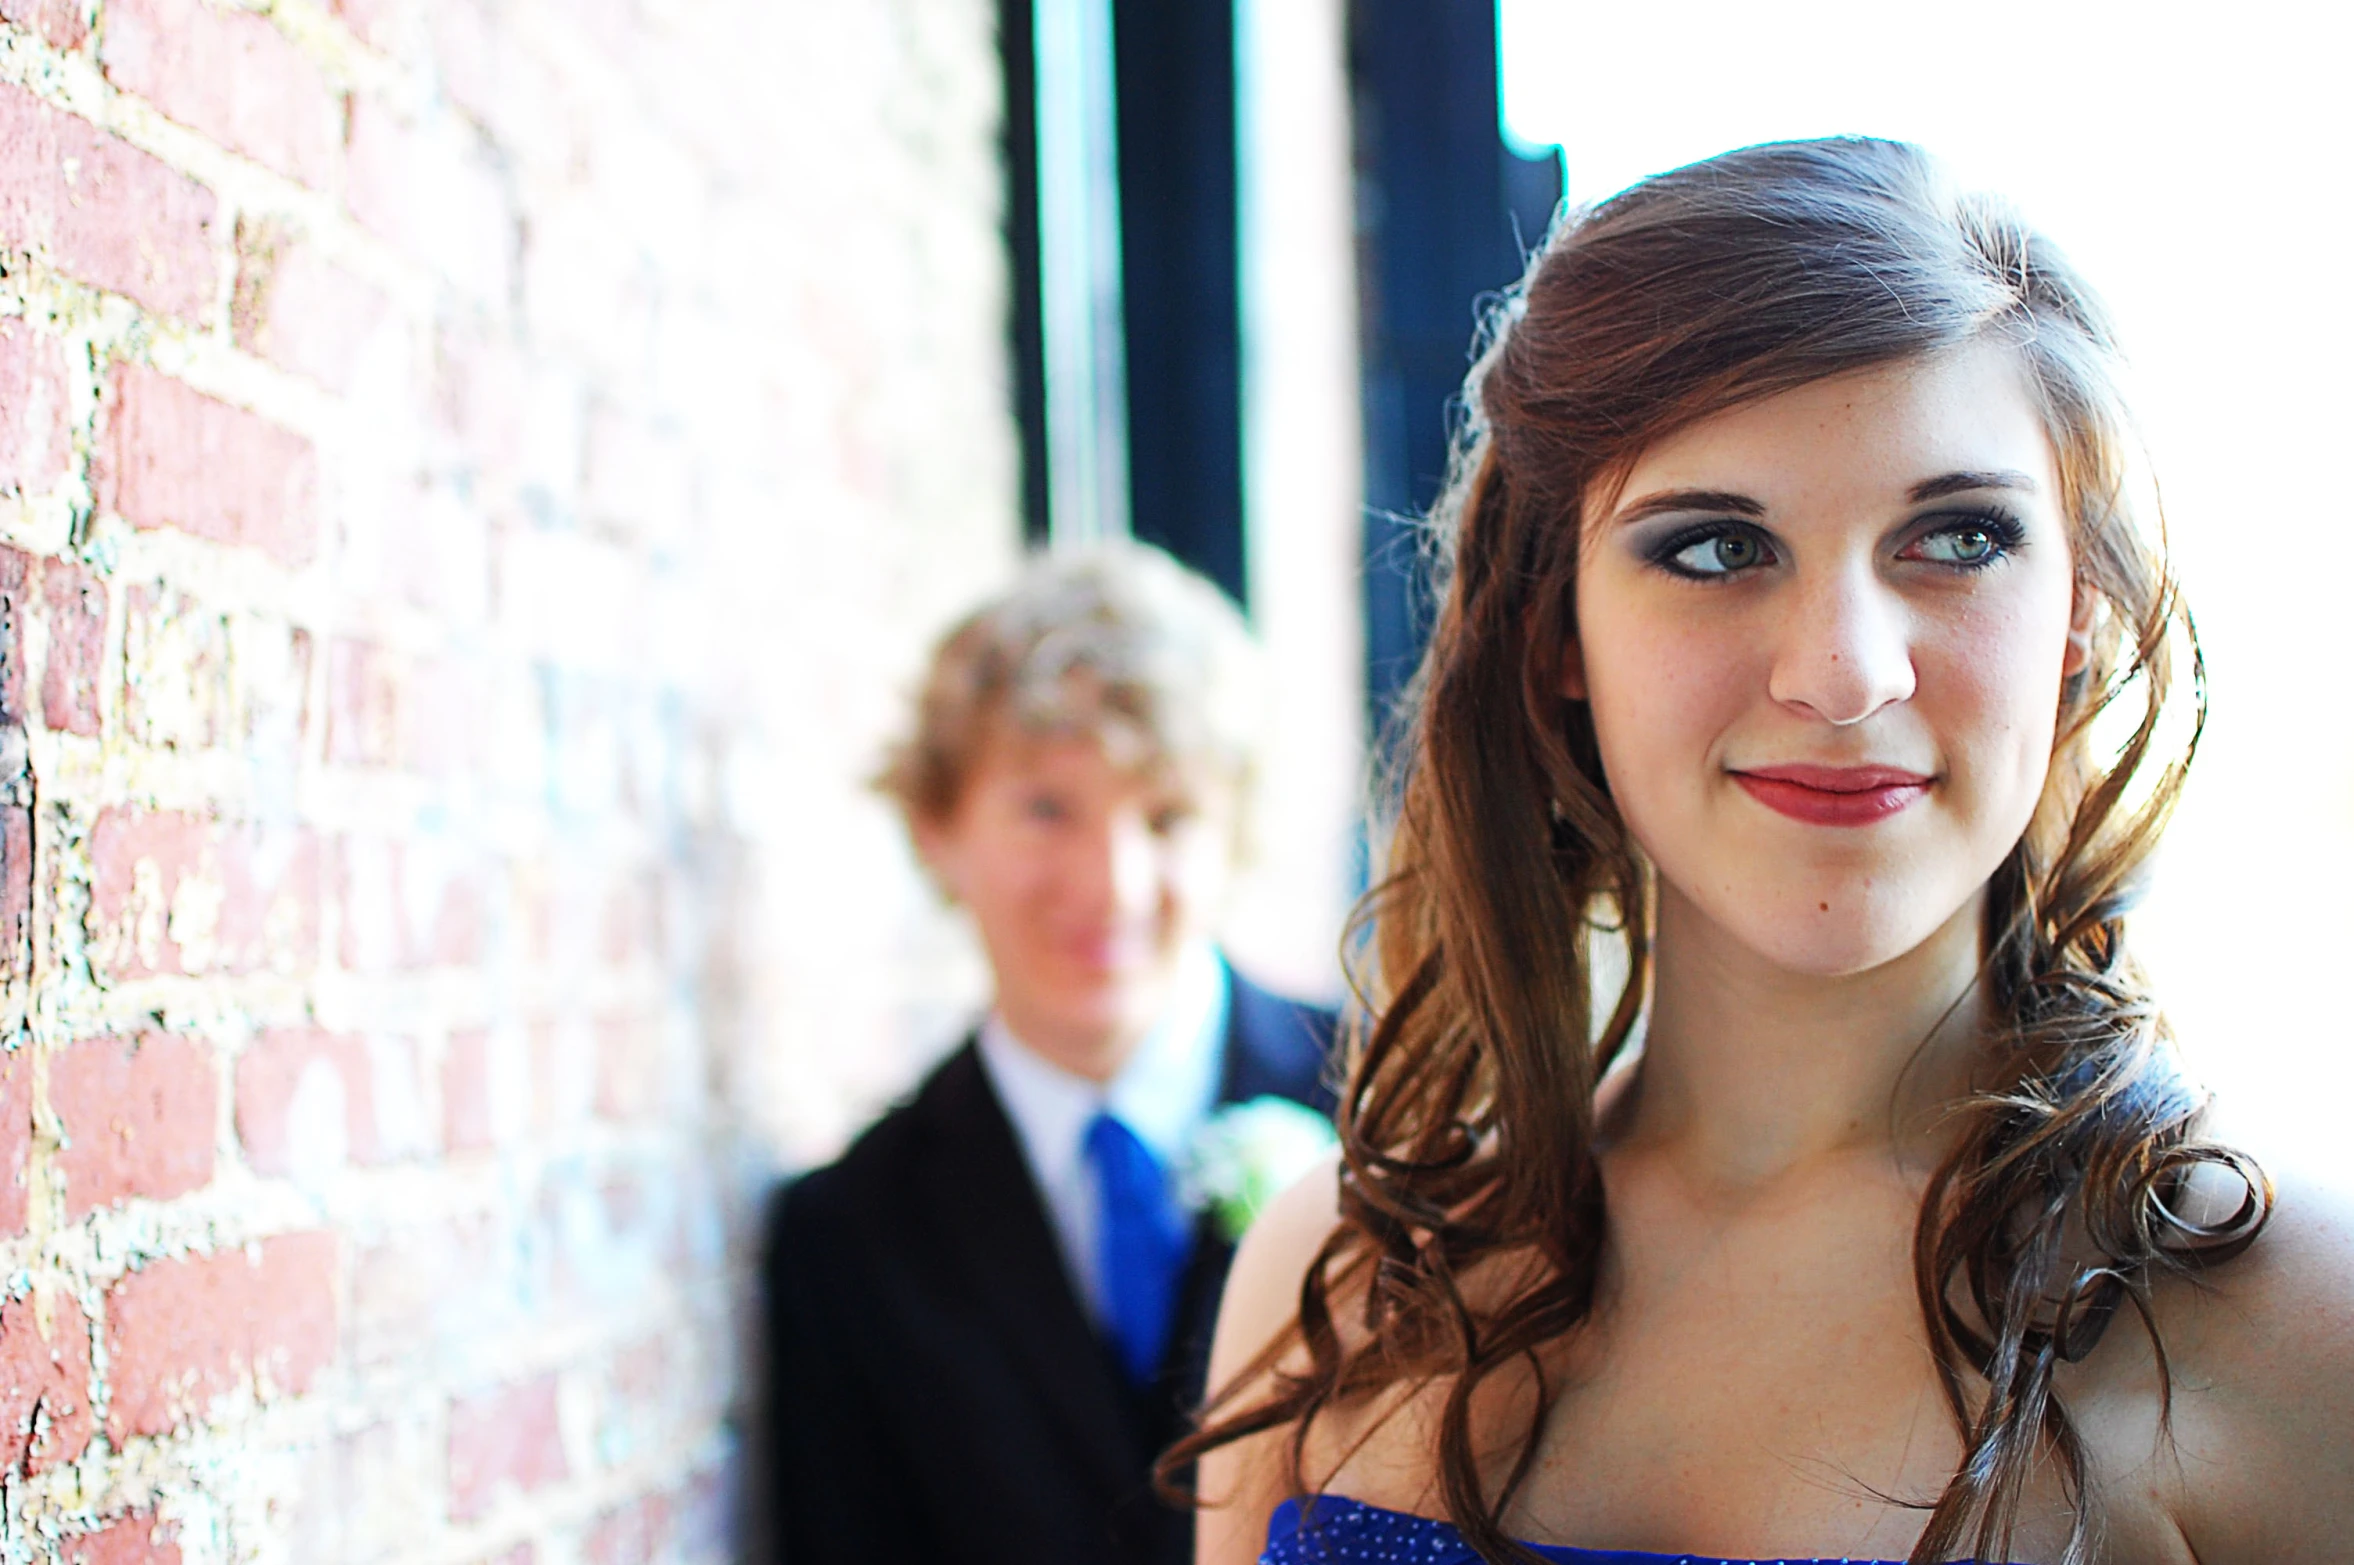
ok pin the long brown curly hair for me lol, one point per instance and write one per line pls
(1467, 1126)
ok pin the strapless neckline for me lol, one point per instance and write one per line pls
(1332, 1529)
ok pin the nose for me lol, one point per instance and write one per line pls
(1846, 648)
(1123, 866)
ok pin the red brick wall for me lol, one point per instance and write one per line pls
(474, 475)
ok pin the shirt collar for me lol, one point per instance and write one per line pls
(1163, 1092)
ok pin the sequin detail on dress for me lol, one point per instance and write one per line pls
(1335, 1530)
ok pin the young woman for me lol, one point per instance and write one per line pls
(1764, 1145)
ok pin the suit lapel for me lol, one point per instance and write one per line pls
(996, 1226)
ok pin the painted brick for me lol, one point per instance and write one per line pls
(138, 1116)
(469, 1109)
(632, 1534)
(186, 1330)
(371, 1495)
(377, 22)
(176, 893)
(368, 701)
(400, 713)
(77, 647)
(16, 1136)
(409, 903)
(178, 670)
(504, 1441)
(138, 1539)
(36, 441)
(643, 1395)
(426, 190)
(629, 1067)
(44, 1381)
(305, 1102)
(16, 895)
(59, 21)
(104, 211)
(438, 1288)
(17, 606)
(173, 457)
(299, 310)
(229, 74)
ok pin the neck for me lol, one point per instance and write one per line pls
(1093, 1053)
(1750, 1071)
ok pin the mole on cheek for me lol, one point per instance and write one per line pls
(1822, 907)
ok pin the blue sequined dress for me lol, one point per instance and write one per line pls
(1340, 1531)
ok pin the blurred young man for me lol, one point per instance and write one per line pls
(987, 1319)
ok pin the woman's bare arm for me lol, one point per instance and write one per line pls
(1242, 1483)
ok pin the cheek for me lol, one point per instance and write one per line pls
(1991, 682)
(1663, 690)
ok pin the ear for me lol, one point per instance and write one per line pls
(2081, 614)
(1573, 671)
(935, 846)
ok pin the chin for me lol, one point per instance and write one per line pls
(1837, 930)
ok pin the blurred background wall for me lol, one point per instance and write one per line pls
(474, 476)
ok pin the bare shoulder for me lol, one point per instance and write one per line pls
(1263, 1288)
(1242, 1483)
(2262, 1353)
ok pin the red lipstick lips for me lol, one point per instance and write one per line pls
(1834, 795)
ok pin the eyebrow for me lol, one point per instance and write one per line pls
(1963, 481)
(1689, 500)
(1966, 481)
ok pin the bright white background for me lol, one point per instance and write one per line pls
(2198, 166)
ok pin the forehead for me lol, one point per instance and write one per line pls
(1868, 436)
(1113, 758)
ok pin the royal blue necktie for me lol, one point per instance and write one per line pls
(1141, 1245)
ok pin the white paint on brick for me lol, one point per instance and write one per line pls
(683, 432)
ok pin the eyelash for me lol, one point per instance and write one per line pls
(2003, 530)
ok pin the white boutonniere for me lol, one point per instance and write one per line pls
(1247, 1154)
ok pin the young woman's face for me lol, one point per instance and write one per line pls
(1089, 882)
(1823, 638)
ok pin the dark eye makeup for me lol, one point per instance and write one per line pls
(1968, 540)
(1721, 548)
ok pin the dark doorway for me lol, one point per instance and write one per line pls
(1445, 214)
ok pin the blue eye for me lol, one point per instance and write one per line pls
(1721, 552)
(1962, 546)
(1969, 543)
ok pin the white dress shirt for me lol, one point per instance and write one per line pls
(1166, 1090)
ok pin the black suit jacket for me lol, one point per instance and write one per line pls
(936, 1394)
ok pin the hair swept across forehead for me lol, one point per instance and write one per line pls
(1762, 270)
(1115, 642)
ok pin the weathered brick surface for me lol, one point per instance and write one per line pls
(59, 21)
(16, 1136)
(103, 211)
(176, 458)
(44, 1381)
(446, 619)
(230, 74)
(76, 600)
(503, 1442)
(138, 1116)
(176, 893)
(137, 1539)
(306, 1101)
(186, 1330)
(300, 310)
(36, 440)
